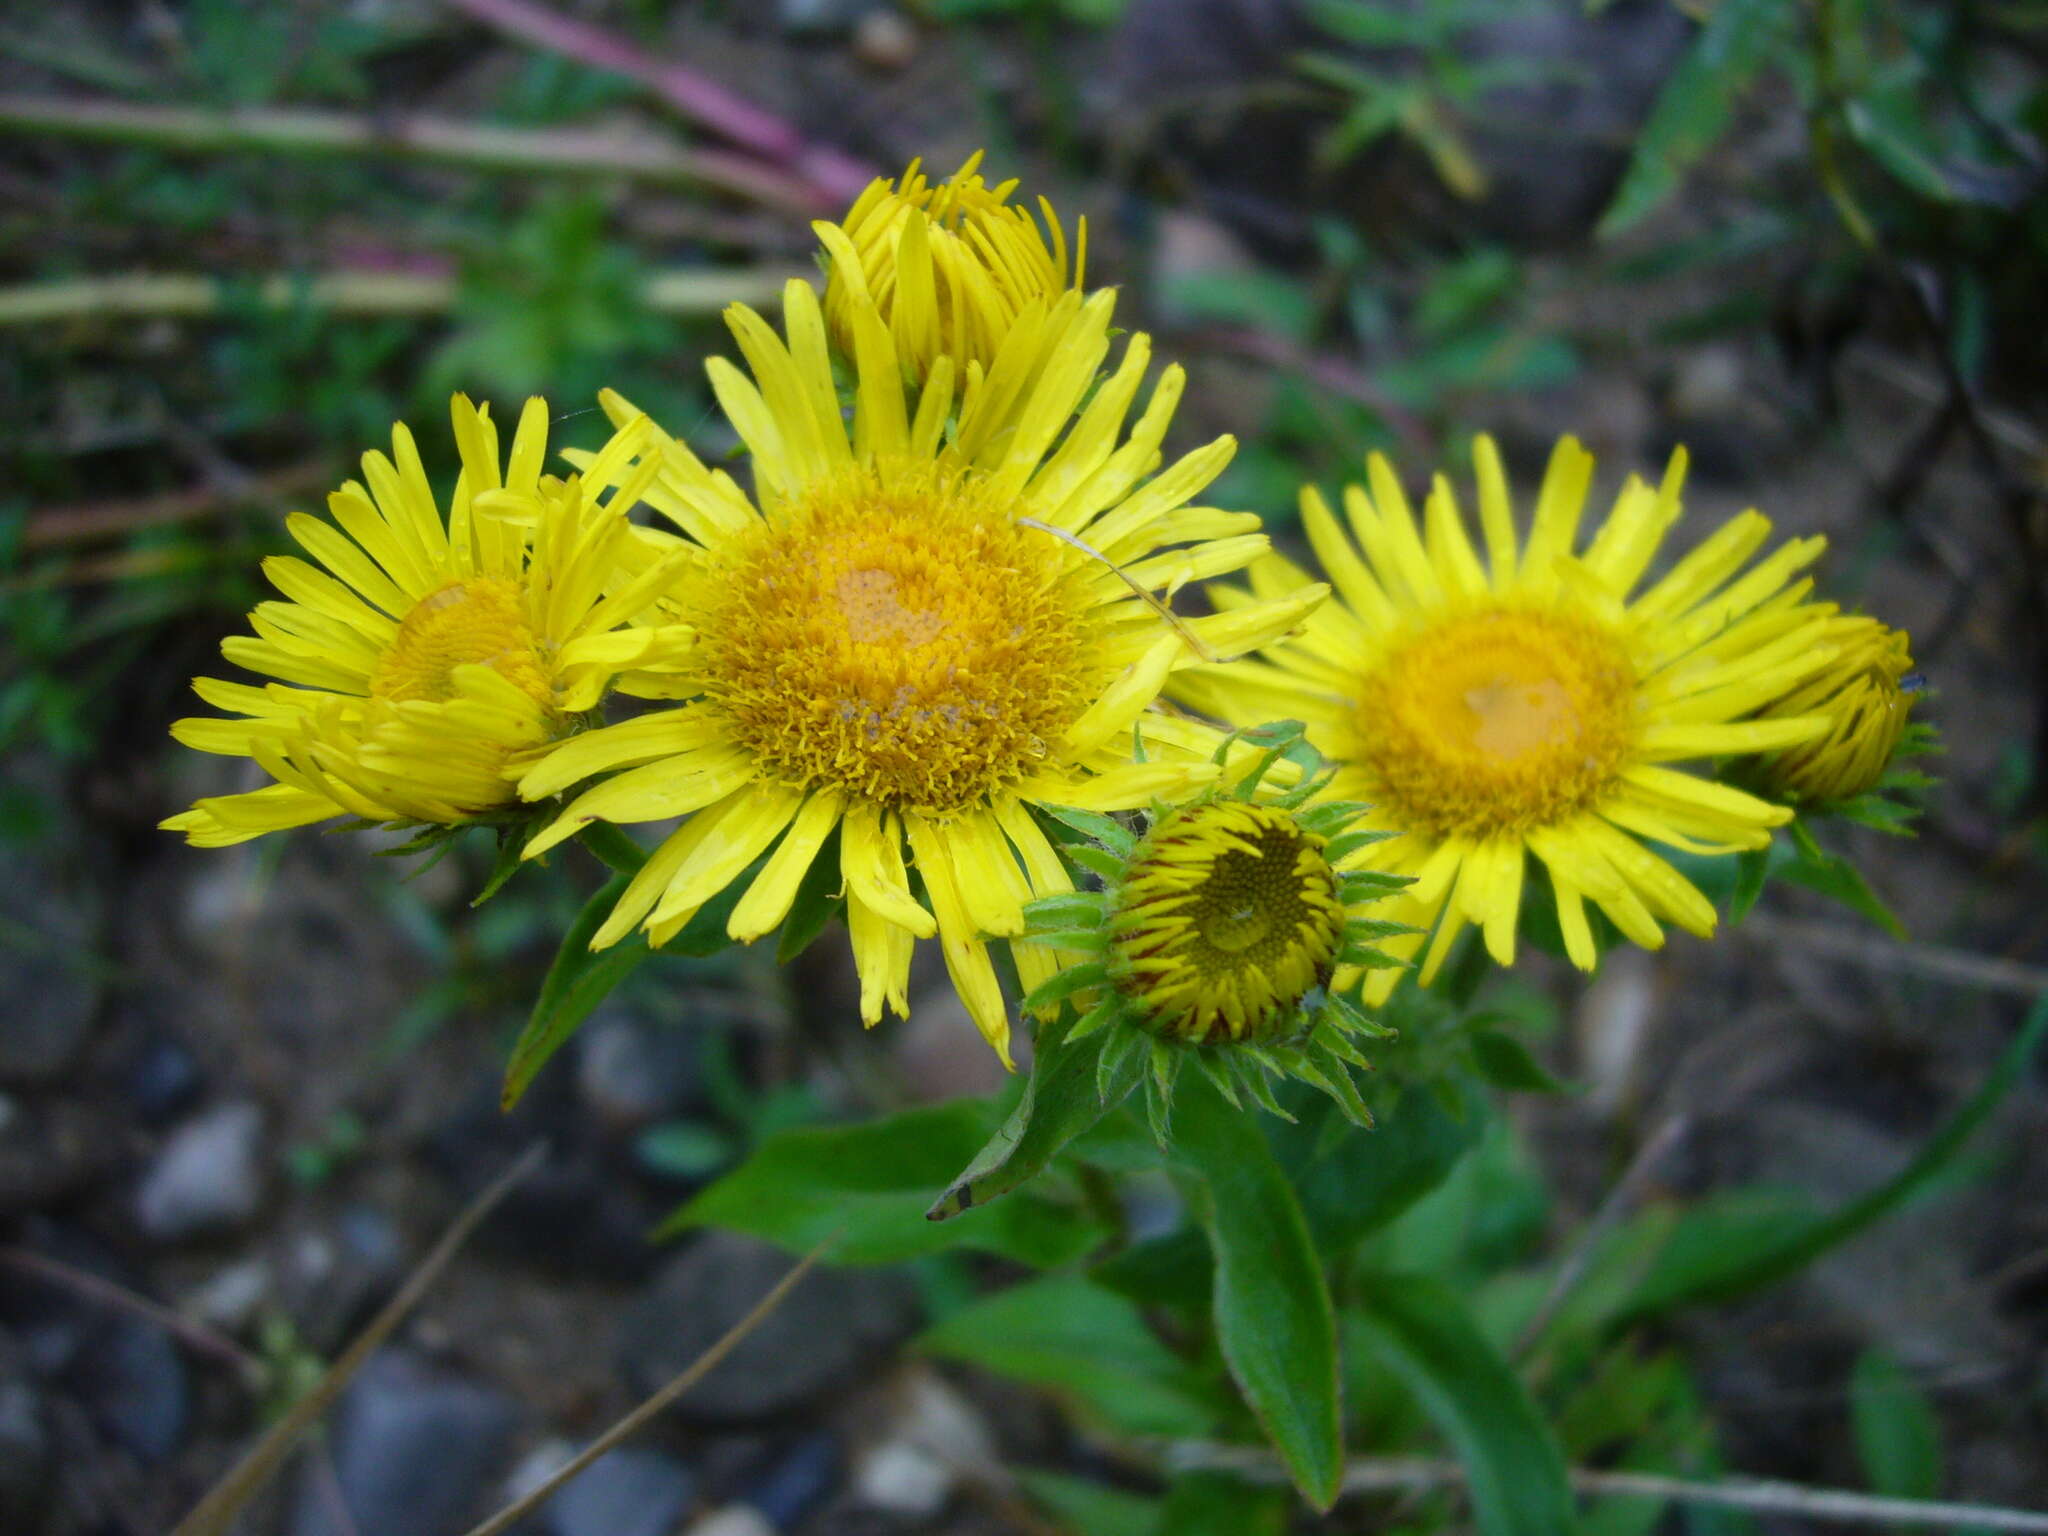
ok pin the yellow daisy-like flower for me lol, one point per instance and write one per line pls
(954, 269)
(423, 665)
(922, 630)
(1534, 701)
(1860, 693)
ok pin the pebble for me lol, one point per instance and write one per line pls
(733, 1520)
(885, 40)
(50, 1148)
(938, 1436)
(207, 1177)
(633, 1491)
(836, 1322)
(230, 1297)
(632, 1071)
(164, 1080)
(414, 1451)
(24, 1443)
(334, 1278)
(798, 1482)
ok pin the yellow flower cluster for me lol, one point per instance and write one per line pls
(936, 621)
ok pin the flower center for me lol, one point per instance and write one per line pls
(1228, 917)
(480, 621)
(1496, 722)
(894, 635)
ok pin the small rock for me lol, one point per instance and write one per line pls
(414, 1449)
(164, 1080)
(914, 1471)
(49, 1150)
(230, 1298)
(817, 1340)
(24, 1443)
(630, 1492)
(885, 40)
(733, 1520)
(208, 1177)
(798, 1482)
(819, 18)
(333, 1278)
(632, 1071)
(904, 1479)
(536, 1467)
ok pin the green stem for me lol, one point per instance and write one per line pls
(619, 852)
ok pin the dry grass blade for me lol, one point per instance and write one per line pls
(631, 1424)
(215, 1514)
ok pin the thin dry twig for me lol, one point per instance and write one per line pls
(1620, 1199)
(85, 522)
(195, 1335)
(215, 1514)
(686, 291)
(833, 177)
(633, 1422)
(478, 146)
(1386, 1474)
(1930, 962)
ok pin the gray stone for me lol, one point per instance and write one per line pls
(632, 1071)
(414, 1451)
(207, 1177)
(24, 1443)
(832, 1325)
(631, 1492)
(49, 1149)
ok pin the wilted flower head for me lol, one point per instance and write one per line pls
(1861, 693)
(952, 268)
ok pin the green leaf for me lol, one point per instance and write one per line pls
(1356, 1182)
(1274, 1321)
(1696, 1267)
(1507, 1063)
(1897, 1435)
(1059, 1103)
(1217, 1504)
(577, 981)
(869, 1185)
(1716, 1242)
(1090, 1508)
(1839, 880)
(1693, 110)
(1169, 1271)
(1421, 1330)
(817, 902)
(1069, 1335)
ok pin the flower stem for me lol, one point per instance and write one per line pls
(618, 851)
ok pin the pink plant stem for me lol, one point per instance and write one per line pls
(834, 177)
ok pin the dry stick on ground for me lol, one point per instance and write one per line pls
(834, 178)
(479, 146)
(633, 1422)
(1930, 962)
(215, 1514)
(685, 291)
(196, 1336)
(1388, 1474)
(84, 522)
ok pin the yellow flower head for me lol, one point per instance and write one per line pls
(1532, 699)
(1227, 917)
(954, 269)
(1216, 938)
(422, 665)
(912, 634)
(1860, 693)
